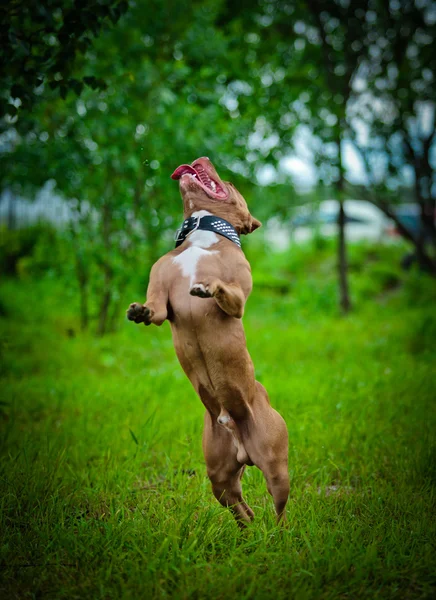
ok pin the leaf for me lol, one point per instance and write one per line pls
(76, 86)
(93, 82)
(17, 90)
(11, 110)
(134, 438)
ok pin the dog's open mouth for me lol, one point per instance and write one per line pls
(198, 173)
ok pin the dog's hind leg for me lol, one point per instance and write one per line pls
(265, 438)
(277, 480)
(275, 471)
(228, 423)
(224, 470)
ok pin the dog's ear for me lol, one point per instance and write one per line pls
(255, 224)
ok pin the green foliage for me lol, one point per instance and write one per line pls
(39, 44)
(306, 274)
(31, 250)
(103, 485)
(113, 150)
(236, 83)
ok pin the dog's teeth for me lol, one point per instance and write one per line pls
(213, 185)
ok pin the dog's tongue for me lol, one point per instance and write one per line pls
(182, 170)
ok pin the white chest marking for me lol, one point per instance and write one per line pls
(188, 259)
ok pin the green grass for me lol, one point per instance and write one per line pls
(103, 486)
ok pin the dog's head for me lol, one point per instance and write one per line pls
(202, 189)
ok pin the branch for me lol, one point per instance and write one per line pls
(370, 195)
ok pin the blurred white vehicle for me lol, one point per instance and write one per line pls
(363, 221)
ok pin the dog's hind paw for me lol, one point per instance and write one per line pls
(139, 313)
(200, 290)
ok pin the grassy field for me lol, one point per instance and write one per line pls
(103, 486)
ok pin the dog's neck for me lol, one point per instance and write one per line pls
(202, 213)
(206, 221)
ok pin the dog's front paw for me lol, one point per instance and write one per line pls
(139, 313)
(201, 290)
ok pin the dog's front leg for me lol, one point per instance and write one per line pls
(154, 310)
(145, 313)
(229, 296)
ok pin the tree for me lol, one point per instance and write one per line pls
(397, 104)
(112, 150)
(302, 59)
(320, 66)
(39, 46)
(236, 81)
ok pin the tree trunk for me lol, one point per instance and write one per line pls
(104, 305)
(106, 298)
(12, 217)
(425, 202)
(116, 315)
(424, 259)
(342, 86)
(342, 262)
(426, 186)
(83, 292)
(423, 171)
(82, 278)
(428, 221)
(344, 294)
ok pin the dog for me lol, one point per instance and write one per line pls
(201, 288)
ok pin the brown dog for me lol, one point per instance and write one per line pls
(201, 288)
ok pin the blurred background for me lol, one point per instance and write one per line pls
(322, 113)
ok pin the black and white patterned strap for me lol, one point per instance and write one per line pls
(208, 223)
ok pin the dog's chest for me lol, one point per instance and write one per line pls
(189, 260)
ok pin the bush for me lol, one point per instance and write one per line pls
(31, 251)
